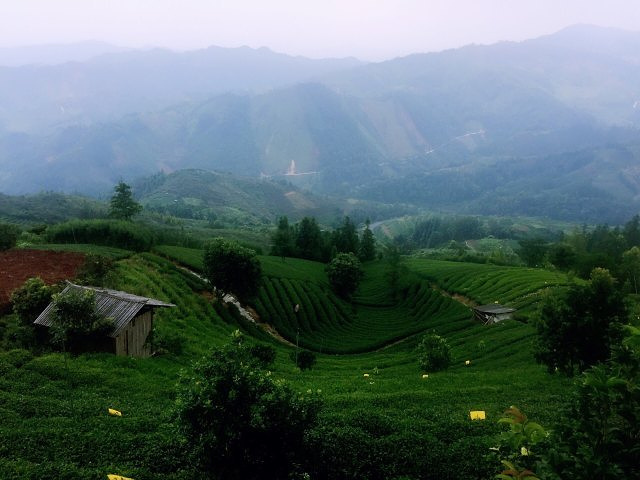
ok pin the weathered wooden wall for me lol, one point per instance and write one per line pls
(131, 340)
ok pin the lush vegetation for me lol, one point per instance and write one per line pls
(378, 406)
(113, 233)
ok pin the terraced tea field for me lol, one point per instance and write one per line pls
(519, 287)
(394, 422)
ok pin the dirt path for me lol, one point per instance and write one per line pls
(247, 313)
(456, 296)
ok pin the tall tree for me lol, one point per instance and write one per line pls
(578, 329)
(283, 239)
(367, 244)
(344, 273)
(345, 237)
(631, 232)
(231, 268)
(631, 267)
(308, 239)
(123, 206)
(532, 251)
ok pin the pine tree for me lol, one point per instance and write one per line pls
(367, 244)
(123, 206)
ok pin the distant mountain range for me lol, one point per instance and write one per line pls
(549, 126)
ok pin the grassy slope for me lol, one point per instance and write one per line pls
(55, 421)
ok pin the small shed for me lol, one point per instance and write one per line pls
(492, 313)
(132, 317)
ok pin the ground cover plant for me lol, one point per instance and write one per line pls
(383, 417)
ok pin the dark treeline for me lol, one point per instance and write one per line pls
(616, 249)
(306, 239)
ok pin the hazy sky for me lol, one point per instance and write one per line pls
(368, 29)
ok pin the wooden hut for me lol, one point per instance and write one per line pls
(492, 313)
(132, 318)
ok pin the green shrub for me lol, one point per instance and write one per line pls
(163, 342)
(239, 421)
(30, 299)
(95, 270)
(304, 359)
(75, 323)
(433, 353)
(344, 273)
(264, 354)
(8, 236)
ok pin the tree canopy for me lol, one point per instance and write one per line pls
(579, 328)
(344, 273)
(122, 205)
(231, 268)
(239, 421)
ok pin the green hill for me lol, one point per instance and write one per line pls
(228, 199)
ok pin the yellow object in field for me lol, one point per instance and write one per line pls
(115, 413)
(117, 477)
(468, 362)
(477, 414)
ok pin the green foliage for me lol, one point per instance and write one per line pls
(367, 251)
(231, 268)
(166, 342)
(282, 239)
(344, 273)
(114, 233)
(304, 359)
(76, 326)
(309, 241)
(345, 238)
(597, 435)
(264, 354)
(518, 446)
(533, 251)
(579, 328)
(30, 299)
(122, 205)
(8, 236)
(240, 421)
(434, 353)
(95, 270)
(631, 267)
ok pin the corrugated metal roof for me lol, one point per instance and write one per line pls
(122, 307)
(494, 308)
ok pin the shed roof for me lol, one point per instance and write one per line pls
(122, 307)
(494, 308)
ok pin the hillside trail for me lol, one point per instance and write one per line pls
(247, 313)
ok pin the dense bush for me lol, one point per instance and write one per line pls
(231, 268)
(433, 353)
(578, 328)
(76, 325)
(240, 421)
(29, 300)
(369, 445)
(114, 233)
(95, 270)
(345, 273)
(304, 359)
(265, 355)
(8, 236)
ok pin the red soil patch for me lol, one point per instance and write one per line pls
(16, 266)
